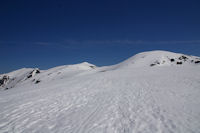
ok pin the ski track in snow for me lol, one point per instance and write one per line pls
(122, 101)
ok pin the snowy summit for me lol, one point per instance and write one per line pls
(160, 58)
(151, 92)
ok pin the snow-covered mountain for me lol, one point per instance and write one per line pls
(34, 75)
(160, 58)
(151, 92)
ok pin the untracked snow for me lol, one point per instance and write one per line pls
(131, 97)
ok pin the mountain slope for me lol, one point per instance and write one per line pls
(146, 99)
(35, 76)
(12, 79)
(160, 58)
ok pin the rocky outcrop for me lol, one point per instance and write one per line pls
(33, 73)
(4, 80)
(14, 78)
(177, 61)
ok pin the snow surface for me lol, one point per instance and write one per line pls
(130, 97)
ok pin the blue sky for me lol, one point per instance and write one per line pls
(48, 33)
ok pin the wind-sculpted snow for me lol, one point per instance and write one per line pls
(106, 100)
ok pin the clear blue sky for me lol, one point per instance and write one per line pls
(48, 33)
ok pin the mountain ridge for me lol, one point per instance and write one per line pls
(132, 96)
(144, 59)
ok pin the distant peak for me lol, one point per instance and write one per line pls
(85, 63)
(160, 58)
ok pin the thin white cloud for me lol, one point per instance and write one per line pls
(125, 42)
(90, 43)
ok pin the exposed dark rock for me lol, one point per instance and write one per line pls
(197, 62)
(37, 71)
(183, 58)
(179, 63)
(1, 82)
(92, 67)
(152, 65)
(38, 81)
(157, 62)
(172, 60)
(103, 71)
(31, 74)
(4, 79)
